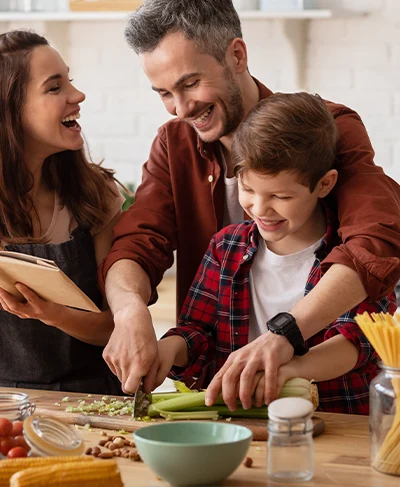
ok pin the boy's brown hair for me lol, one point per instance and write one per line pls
(292, 132)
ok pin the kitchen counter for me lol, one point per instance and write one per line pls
(341, 456)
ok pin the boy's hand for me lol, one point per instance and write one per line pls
(170, 350)
(285, 372)
(267, 353)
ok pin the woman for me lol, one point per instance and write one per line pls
(56, 205)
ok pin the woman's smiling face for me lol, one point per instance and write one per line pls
(51, 106)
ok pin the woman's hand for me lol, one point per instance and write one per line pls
(35, 307)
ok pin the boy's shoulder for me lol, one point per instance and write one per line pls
(236, 233)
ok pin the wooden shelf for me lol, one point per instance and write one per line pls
(112, 16)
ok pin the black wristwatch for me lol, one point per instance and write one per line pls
(285, 324)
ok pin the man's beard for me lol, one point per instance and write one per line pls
(232, 108)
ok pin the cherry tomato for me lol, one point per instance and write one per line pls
(5, 427)
(17, 452)
(20, 441)
(17, 428)
(6, 444)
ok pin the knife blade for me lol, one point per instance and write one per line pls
(140, 402)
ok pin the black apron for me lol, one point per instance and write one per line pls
(37, 356)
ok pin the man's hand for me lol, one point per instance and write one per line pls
(34, 307)
(131, 352)
(267, 353)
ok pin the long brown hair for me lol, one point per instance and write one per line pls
(81, 185)
(292, 132)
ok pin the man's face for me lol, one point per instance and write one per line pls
(195, 87)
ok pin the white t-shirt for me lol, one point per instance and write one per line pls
(277, 283)
(233, 212)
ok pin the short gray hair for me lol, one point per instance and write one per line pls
(211, 24)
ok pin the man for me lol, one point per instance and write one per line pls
(193, 53)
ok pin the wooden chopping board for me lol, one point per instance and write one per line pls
(46, 405)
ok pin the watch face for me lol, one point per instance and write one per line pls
(280, 320)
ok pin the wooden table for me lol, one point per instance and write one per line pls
(341, 458)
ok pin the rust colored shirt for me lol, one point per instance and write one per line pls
(180, 205)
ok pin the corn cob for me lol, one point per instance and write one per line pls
(10, 466)
(103, 473)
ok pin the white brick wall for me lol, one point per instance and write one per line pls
(353, 60)
(365, 52)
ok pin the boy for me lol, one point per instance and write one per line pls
(284, 154)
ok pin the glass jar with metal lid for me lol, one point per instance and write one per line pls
(15, 406)
(290, 443)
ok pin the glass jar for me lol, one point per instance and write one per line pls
(15, 406)
(385, 420)
(49, 437)
(290, 442)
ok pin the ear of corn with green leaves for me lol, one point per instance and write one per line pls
(103, 473)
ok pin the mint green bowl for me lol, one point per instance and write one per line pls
(193, 453)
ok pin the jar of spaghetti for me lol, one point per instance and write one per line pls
(385, 420)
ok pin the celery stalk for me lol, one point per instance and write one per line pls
(180, 415)
(261, 413)
(164, 396)
(180, 403)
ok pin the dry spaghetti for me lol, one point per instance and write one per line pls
(383, 332)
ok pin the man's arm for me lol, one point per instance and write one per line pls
(131, 352)
(330, 359)
(368, 207)
(339, 290)
(146, 232)
(144, 240)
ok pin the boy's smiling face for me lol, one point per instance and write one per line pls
(286, 212)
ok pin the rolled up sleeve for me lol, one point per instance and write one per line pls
(368, 205)
(146, 232)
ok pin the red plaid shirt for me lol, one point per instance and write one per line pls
(215, 317)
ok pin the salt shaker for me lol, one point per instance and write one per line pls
(290, 441)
